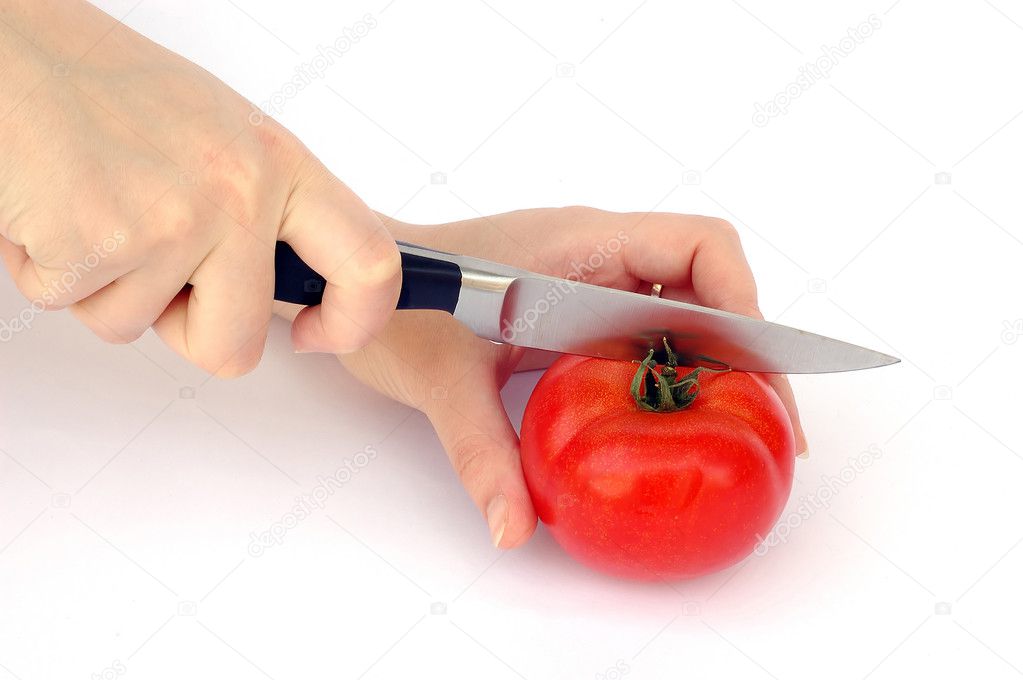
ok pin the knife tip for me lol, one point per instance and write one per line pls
(886, 360)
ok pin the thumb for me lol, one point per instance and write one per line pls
(484, 450)
(345, 242)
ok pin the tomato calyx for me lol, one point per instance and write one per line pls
(664, 390)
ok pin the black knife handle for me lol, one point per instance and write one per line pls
(426, 283)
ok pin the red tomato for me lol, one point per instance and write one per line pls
(651, 495)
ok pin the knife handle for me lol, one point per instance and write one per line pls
(426, 282)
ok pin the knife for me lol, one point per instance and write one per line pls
(509, 305)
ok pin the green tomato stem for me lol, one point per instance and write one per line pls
(664, 391)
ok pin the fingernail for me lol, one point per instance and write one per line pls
(497, 519)
(804, 455)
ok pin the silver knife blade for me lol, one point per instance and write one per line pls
(615, 324)
(513, 306)
(508, 305)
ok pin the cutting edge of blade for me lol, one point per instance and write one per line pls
(865, 357)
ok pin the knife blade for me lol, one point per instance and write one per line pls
(510, 305)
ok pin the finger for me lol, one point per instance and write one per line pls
(221, 322)
(692, 251)
(124, 309)
(346, 243)
(706, 256)
(52, 288)
(484, 450)
(781, 385)
(13, 256)
(58, 288)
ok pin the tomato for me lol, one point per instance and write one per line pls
(655, 495)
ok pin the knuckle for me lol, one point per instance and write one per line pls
(225, 361)
(272, 137)
(109, 331)
(124, 336)
(349, 338)
(53, 246)
(221, 182)
(172, 221)
(469, 457)
(232, 178)
(50, 292)
(45, 300)
(374, 268)
(581, 214)
(722, 228)
(213, 363)
(231, 188)
(234, 369)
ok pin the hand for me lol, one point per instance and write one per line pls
(431, 362)
(127, 172)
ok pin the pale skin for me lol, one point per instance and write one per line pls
(113, 146)
(696, 259)
(163, 192)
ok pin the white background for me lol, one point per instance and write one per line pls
(126, 506)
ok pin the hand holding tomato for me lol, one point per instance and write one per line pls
(429, 361)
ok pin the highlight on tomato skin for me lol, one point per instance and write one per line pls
(651, 494)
